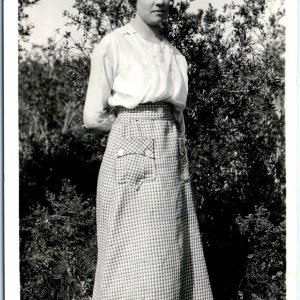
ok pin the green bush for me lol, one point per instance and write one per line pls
(265, 264)
(58, 248)
(235, 132)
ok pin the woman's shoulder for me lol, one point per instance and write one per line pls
(124, 30)
(105, 43)
(115, 36)
(108, 42)
(119, 33)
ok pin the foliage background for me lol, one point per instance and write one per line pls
(235, 131)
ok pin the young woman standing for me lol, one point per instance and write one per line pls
(149, 244)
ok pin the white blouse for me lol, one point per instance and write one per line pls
(127, 70)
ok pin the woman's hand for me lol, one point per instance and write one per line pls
(103, 123)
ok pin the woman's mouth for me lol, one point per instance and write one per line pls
(160, 11)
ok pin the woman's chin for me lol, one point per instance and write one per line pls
(156, 19)
(155, 22)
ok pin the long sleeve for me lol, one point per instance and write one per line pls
(178, 111)
(104, 64)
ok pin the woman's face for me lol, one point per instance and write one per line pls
(152, 12)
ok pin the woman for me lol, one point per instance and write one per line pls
(149, 243)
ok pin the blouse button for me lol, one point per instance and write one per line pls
(121, 152)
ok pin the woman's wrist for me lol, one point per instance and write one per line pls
(102, 123)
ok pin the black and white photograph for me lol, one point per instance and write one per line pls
(152, 158)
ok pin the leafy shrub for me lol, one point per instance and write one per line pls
(58, 248)
(235, 131)
(265, 271)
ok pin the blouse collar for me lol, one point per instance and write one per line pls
(129, 29)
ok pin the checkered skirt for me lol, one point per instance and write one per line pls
(149, 244)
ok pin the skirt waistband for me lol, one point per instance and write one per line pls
(158, 110)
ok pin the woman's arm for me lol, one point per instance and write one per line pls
(103, 71)
(178, 111)
(179, 118)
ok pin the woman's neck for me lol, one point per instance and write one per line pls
(148, 32)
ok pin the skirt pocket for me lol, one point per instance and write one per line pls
(135, 161)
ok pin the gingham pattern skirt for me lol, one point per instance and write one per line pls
(149, 244)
